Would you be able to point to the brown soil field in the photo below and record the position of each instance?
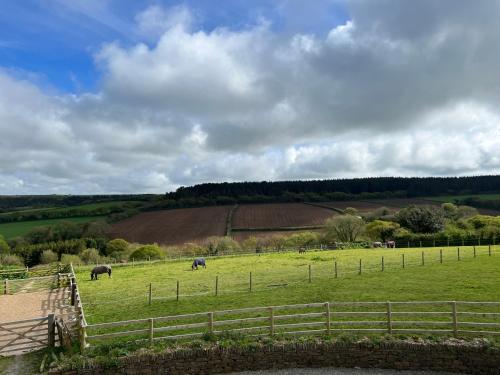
(361, 206)
(173, 227)
(274, 215)
(241, 236)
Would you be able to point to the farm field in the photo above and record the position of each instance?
(275, 215)
(361, 206)
(83, 208)
(282, 278)
(241, 236)
(169, 227)
(20, 228)
(452, 198)
(399, 203)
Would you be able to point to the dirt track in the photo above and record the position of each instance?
(32, 305)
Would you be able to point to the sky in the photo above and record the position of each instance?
(129, 96)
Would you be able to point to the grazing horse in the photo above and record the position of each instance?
(198, 262)
(97, 270)
(377, 244)
(390, 244)
(302, 249)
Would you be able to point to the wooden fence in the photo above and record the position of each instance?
(35, 284)
(76, 301)
(22, 336)
(424, 317)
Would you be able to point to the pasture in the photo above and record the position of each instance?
(283, 278)
(20, 228)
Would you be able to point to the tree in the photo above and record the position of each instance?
(450, 210)
(147, 252)
(381, 230)
(90, 256)
(421, 219)
(116, 246)
(345, 228)
(4, 246)
(351, 211)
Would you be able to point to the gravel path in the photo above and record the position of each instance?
(339, 371)
(31, 305)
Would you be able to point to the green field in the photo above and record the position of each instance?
(284, 279)
(452, 198)
(83, 207)
(10, 230)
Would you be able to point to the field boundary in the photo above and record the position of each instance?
(324, 318)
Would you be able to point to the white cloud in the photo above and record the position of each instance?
(375, 96)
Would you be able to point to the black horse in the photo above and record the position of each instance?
(198, 262)
(97, 270)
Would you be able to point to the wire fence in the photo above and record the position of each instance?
(143, 291)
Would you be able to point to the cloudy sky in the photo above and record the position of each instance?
(121, 96)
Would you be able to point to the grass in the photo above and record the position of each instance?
(10, 230)
(452, 198)
(283, 279)
(83, 207)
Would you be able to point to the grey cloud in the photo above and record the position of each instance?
(397, 90)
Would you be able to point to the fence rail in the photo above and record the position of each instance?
(35, 284)
(22, 336)
(416, 317)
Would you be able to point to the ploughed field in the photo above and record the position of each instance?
(283, 279)
(171, 227)
(275, 215)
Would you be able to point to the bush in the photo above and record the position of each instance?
(48, 256)
(90, 256)
(117, 245)
(71, 258)
(4, 246)
(147, 252)
(11, 260)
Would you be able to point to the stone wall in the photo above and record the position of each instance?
(402, 356)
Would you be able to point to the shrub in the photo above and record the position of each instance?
(90, 256)
(71, 258)
(4, 246)
(117, 245)
(48, 256)
(11, 260)
(147, 252)
(345, 228)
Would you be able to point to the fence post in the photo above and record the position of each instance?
(479, 241)
(423, 260)
(448, 241)
(458, 253)
(211, 322)
(389, 317)
(420, 243)
(336, 274)
(455, 320)
(83, 334)
(474, 251)
(271, 321)
(403, 260)
(382, 264)
(51, 325)
(177, 290)
(327, 305)
(217, 285)
(360, 266)
(151, 331)
(309, 273)
(73, 291)
(441, 256)
(58, 280)
(489, 250)
(250, 281)
(6, 286)
(150, 293)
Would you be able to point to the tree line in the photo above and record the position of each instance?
(342, 189)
